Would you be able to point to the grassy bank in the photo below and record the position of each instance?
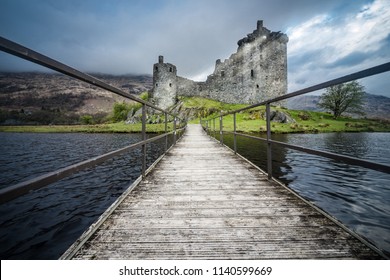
(250, 121)
(119, 127)
(316, 123)
(253, 120)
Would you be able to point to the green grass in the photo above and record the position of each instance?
(249, 121)
(317, 123)
(119, 127)
(253, 120)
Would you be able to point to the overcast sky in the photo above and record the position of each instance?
(328, 38)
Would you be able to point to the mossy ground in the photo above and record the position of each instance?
(119, 127)
(253, 120)
(249, 121)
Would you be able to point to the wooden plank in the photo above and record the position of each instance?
(250, 234)
(272, 249)
(203, 202)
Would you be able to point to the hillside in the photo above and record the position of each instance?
(43, 98)
(55, 98)
(375, 106)
(249, 121)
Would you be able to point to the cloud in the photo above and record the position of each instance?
(327, 38)
(327, 46)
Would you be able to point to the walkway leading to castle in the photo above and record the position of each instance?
(203, 202)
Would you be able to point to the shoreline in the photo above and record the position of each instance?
(242, 127)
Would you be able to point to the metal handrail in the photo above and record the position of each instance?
(12, 192)
(38, 58)
(347, 159)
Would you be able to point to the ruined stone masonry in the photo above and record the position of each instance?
(256, 72)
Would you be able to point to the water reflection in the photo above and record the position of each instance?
(256, 151)
(357, 196)
(44, 223)
(353, 144)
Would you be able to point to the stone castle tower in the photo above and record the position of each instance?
(256, 72)
(164, 90)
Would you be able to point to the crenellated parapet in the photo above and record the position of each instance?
(256, 72)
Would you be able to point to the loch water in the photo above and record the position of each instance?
(356, 196)
(45, 222)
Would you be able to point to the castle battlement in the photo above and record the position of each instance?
(256, 72)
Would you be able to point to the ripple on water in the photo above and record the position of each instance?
(44, 223)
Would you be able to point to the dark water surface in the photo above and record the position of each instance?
(44, 223)
(356, 196)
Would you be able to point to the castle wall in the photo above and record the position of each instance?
(256, 72)
(187, 87)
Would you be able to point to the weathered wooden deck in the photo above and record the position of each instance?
(203, 202)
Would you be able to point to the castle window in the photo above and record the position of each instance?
(156, 68)
(156, 85)
(170, 69)
(222, 73)
(252, 73)
(257, 86)
(170, 84)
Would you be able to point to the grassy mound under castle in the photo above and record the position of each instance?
(249, 121)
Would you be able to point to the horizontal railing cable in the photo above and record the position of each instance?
(9, 193)
(347, 159)
(347, 78)
(12, 192)
(33, 56)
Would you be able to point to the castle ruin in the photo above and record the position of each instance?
(256, 72)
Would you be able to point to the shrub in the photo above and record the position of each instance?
(144, 96)
(294, 126)
(86, 119)
(304, 116)
(121, 110)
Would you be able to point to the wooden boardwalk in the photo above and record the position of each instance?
(203, 202)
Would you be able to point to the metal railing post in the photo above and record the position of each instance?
(166, 130)
(214, 127)
(143, 139)
(234, 135)
(269, 147)
(174, 130)
(220, 129)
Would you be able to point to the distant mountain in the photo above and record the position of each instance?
(375, 106)
(55, 98)
(51, 98)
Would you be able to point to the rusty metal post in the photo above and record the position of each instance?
(269, 147)
(234, 135)
(143, 139)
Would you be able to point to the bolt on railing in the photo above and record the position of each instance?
(22, 188)
(347, 159)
